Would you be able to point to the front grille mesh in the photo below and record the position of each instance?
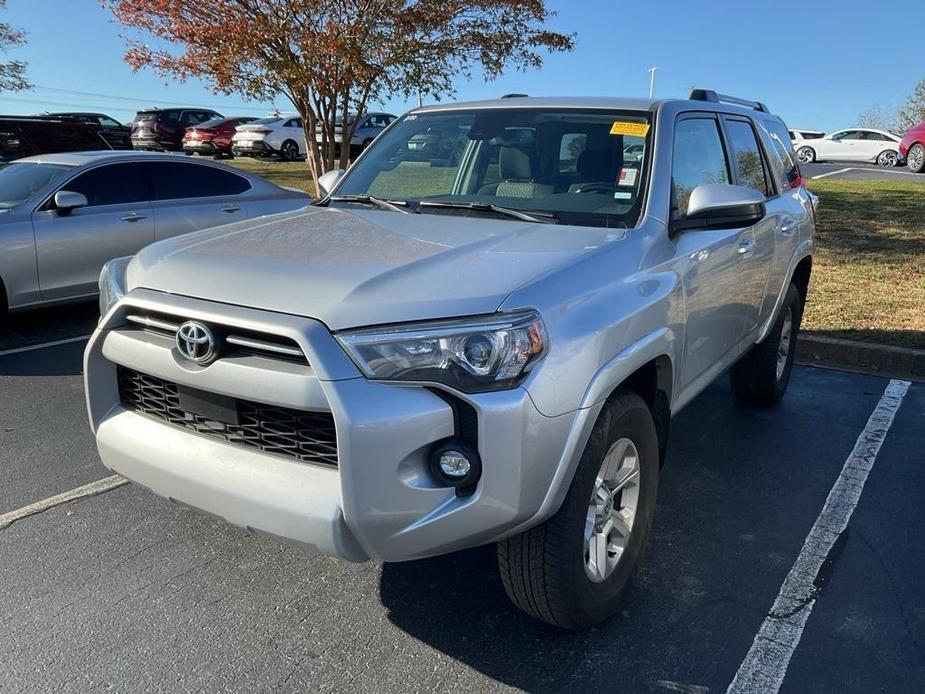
(306, 436)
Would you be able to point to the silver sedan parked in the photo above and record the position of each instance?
(63, 215)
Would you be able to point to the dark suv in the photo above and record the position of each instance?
(24, 136)
(163, 128)
(117, 135)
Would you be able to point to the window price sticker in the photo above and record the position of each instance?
(622, 127)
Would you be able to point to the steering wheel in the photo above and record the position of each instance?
(596, 187)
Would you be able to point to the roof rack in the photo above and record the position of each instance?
(514, 96)
(714, 97)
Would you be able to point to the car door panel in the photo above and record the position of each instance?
(707, 260)
(72, 248)
(175, 217)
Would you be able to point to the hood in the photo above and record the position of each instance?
(350, 268)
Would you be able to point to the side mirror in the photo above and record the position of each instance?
(328, 180)
(66, 201)
(718, 205)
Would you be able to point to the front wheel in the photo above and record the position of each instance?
(915, 158)
(762, 375)
(888, 159)
(806, 155)
(573, 570)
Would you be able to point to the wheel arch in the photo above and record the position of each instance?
(801, 274)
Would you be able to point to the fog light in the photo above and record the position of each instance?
(456, 464)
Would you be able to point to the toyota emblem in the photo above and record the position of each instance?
(196, 342)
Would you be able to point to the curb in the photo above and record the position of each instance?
(867, 357)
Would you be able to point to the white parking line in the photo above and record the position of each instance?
(43, 345)
(98, 487)
(831, 173)
(766, 662)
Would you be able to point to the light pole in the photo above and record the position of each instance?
(652, 81)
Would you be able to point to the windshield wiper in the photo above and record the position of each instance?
(540, 217)
(371, 200)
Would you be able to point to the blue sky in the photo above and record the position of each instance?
(816, 63)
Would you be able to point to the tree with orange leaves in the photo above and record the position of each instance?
(333, 57)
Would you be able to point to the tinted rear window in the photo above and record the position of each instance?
(177, 180)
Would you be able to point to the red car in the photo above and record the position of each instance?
(213, 136)
(912, 147)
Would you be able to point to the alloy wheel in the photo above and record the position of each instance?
(888, 159)
(806, 155)
(612, 510)
(916, 158)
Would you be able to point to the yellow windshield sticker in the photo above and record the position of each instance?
(622, 127)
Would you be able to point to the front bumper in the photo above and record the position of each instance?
(380, 501)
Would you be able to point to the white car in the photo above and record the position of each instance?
(281, 136)
(366, 131)
(853, 144)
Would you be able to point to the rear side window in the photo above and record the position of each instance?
(783, 164)
(174, 181)
(746, 156)
(115, 184)
(698, 158)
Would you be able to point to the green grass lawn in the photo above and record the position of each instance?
(868, 278)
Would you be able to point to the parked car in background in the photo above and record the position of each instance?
(24, 136)
(162, 129)
(213, 136)
(63, 215)
(274, 136)
(912, 148)
(483, 346)
(371, 124)
(853, 144)
(798, 136)
(118, 136)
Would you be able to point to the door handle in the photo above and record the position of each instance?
(132, 217)
(787, 226)
(230, 208)
(746, 248)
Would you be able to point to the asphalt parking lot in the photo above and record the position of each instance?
(857, 171)
(127, 592)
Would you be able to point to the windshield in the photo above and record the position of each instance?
(582, 167)
(19, 182)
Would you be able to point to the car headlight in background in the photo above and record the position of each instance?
(112, 283)
(471, 355)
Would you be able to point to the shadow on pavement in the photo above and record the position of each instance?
(47, 325)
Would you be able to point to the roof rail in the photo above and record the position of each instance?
(514, 96)
(714, 97)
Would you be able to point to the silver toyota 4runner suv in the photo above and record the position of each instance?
(480, 334)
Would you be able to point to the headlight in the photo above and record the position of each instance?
(471, 355)
(112, 283)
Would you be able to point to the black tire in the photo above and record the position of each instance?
(289, 151)
(755, 378)
(543, 569)
(915, 158)
(806, 155)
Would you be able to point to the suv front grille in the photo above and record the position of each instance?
(306, 436)
(229, 339)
